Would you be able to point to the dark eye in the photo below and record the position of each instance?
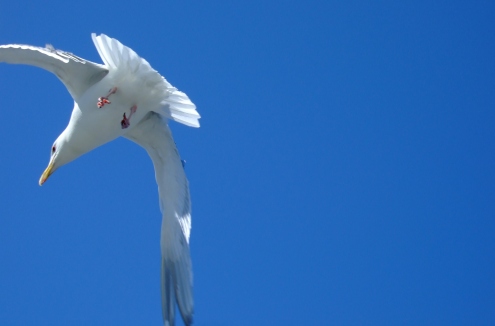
(53, 149)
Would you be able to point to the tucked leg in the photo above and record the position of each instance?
(126, 121)
(104, 99)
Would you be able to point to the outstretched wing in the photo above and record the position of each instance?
(154, 135)
(76, 73)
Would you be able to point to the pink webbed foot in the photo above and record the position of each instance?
(104, 99)
(126, 121)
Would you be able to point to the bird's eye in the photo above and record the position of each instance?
(53, 149)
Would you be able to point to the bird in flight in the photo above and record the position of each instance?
(126, 97)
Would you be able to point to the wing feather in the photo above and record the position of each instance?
(76, 73)
(154, 135)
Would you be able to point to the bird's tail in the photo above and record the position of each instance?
(178, 107)
(174, 104)
(176, 282)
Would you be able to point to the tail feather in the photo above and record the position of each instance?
(178, 107)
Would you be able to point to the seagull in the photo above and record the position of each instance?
(126, 97)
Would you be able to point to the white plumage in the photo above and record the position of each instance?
(134, 101)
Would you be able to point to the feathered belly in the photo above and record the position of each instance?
(114, 106)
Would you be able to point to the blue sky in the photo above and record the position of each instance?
(342, 175)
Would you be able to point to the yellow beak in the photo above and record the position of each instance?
(48, 172)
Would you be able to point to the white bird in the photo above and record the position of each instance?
(126, 97)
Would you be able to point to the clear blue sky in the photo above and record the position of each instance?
(343, 173)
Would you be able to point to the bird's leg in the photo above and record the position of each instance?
(104, 99)
(125, 123)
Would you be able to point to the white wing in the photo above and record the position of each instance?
(154, 135)
(77, 74)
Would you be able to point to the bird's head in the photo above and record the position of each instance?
(61, 153)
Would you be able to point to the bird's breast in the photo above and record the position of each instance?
(100, 114)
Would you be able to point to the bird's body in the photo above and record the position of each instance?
(126, 97)
(97, 126)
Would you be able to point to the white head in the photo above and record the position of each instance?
(62, 152)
